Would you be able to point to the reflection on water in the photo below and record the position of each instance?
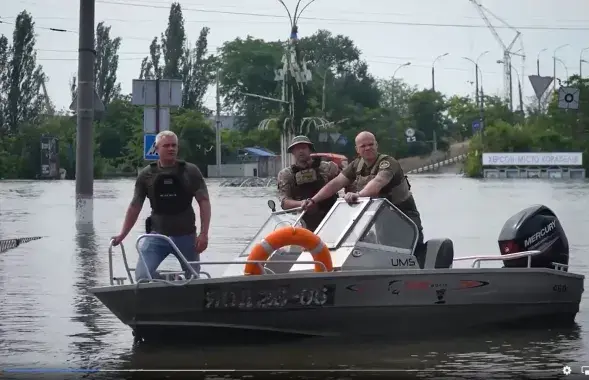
(87, 343)
(47, 318)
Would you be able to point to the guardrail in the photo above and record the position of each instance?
(174, 275)
(511, 256)
(439, 164)
(7, 244)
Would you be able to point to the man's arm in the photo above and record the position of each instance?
(135, 206)
(383, 177)
(340, 180)
(331, 188)
(201, 194)
(284, 182)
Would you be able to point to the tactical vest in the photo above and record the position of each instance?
(308, 182)
(169, 194)
(397, 191)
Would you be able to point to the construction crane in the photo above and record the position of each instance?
(507, 50)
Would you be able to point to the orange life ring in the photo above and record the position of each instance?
(289, 236)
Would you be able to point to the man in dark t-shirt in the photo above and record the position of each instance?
(170, 185)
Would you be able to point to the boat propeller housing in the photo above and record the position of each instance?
(535, 228)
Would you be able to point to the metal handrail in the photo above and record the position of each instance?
(188, 264)
(261, 262)
(508, 257)
(110, 268)
(179, 254)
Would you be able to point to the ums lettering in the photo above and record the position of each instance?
(407, 262)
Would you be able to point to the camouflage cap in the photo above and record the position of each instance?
(300, 140)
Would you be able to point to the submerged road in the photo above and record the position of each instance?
(48, 320)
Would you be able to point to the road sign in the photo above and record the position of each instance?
(98, 105)
(342, 140)
(149, 152)
(410, 132)
(568, 98)
(411, 139)
(144, 92)
(149, 120)
(540, 84)
(476, 126)
(334, 136)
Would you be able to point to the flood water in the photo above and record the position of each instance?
(48, 320)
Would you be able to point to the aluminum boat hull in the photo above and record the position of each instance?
(385, 303)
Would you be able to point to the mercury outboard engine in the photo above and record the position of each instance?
(535, 228)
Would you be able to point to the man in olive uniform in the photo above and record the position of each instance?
(170, 185)
(304, 179)
(373, 175)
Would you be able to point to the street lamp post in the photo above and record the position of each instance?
(393, 83)
(538, 61)
(479, 99)
(293, 76)
(554, 66)
(433, 70)
(566, 69)
(434, 134)
(519, 87)
(581, 60)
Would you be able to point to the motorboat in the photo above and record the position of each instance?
(360, 273)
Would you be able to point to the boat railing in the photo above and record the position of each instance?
(175, 275)
(476, 263)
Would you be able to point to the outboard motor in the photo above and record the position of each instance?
(535, 228)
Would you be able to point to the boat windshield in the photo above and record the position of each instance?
(339, 220)
(276, 220)
(390, 227)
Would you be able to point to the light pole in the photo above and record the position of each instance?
(519, 87)
(581, 60)
(393, 83)
(538, 61)
(554, 66)
(479, 100)
(293, 76)
(433, 70)
(566, 69)
(434, 134)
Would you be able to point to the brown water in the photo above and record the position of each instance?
(48, 320)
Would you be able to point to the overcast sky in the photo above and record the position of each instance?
(389, 33)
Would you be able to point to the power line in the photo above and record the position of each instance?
(368, 61)
(323, 19)
(341, 20)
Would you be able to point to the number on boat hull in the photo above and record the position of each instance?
(283, 297)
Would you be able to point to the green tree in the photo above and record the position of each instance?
(106, 64)
(173, 43)
(197, 72)
(4, 87)
(247, 66)
(24, 101)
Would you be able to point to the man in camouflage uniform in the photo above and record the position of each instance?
(373, 175)
(304, 179)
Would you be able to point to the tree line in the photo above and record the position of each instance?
(342, 97)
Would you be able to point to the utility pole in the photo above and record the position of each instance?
(218, 127)
(85, 115)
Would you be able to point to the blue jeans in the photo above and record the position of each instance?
(155, 251)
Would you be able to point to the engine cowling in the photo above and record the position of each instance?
(535, 228)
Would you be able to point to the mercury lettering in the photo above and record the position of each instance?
(540, 234)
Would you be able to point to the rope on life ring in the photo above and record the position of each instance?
(283, 237)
